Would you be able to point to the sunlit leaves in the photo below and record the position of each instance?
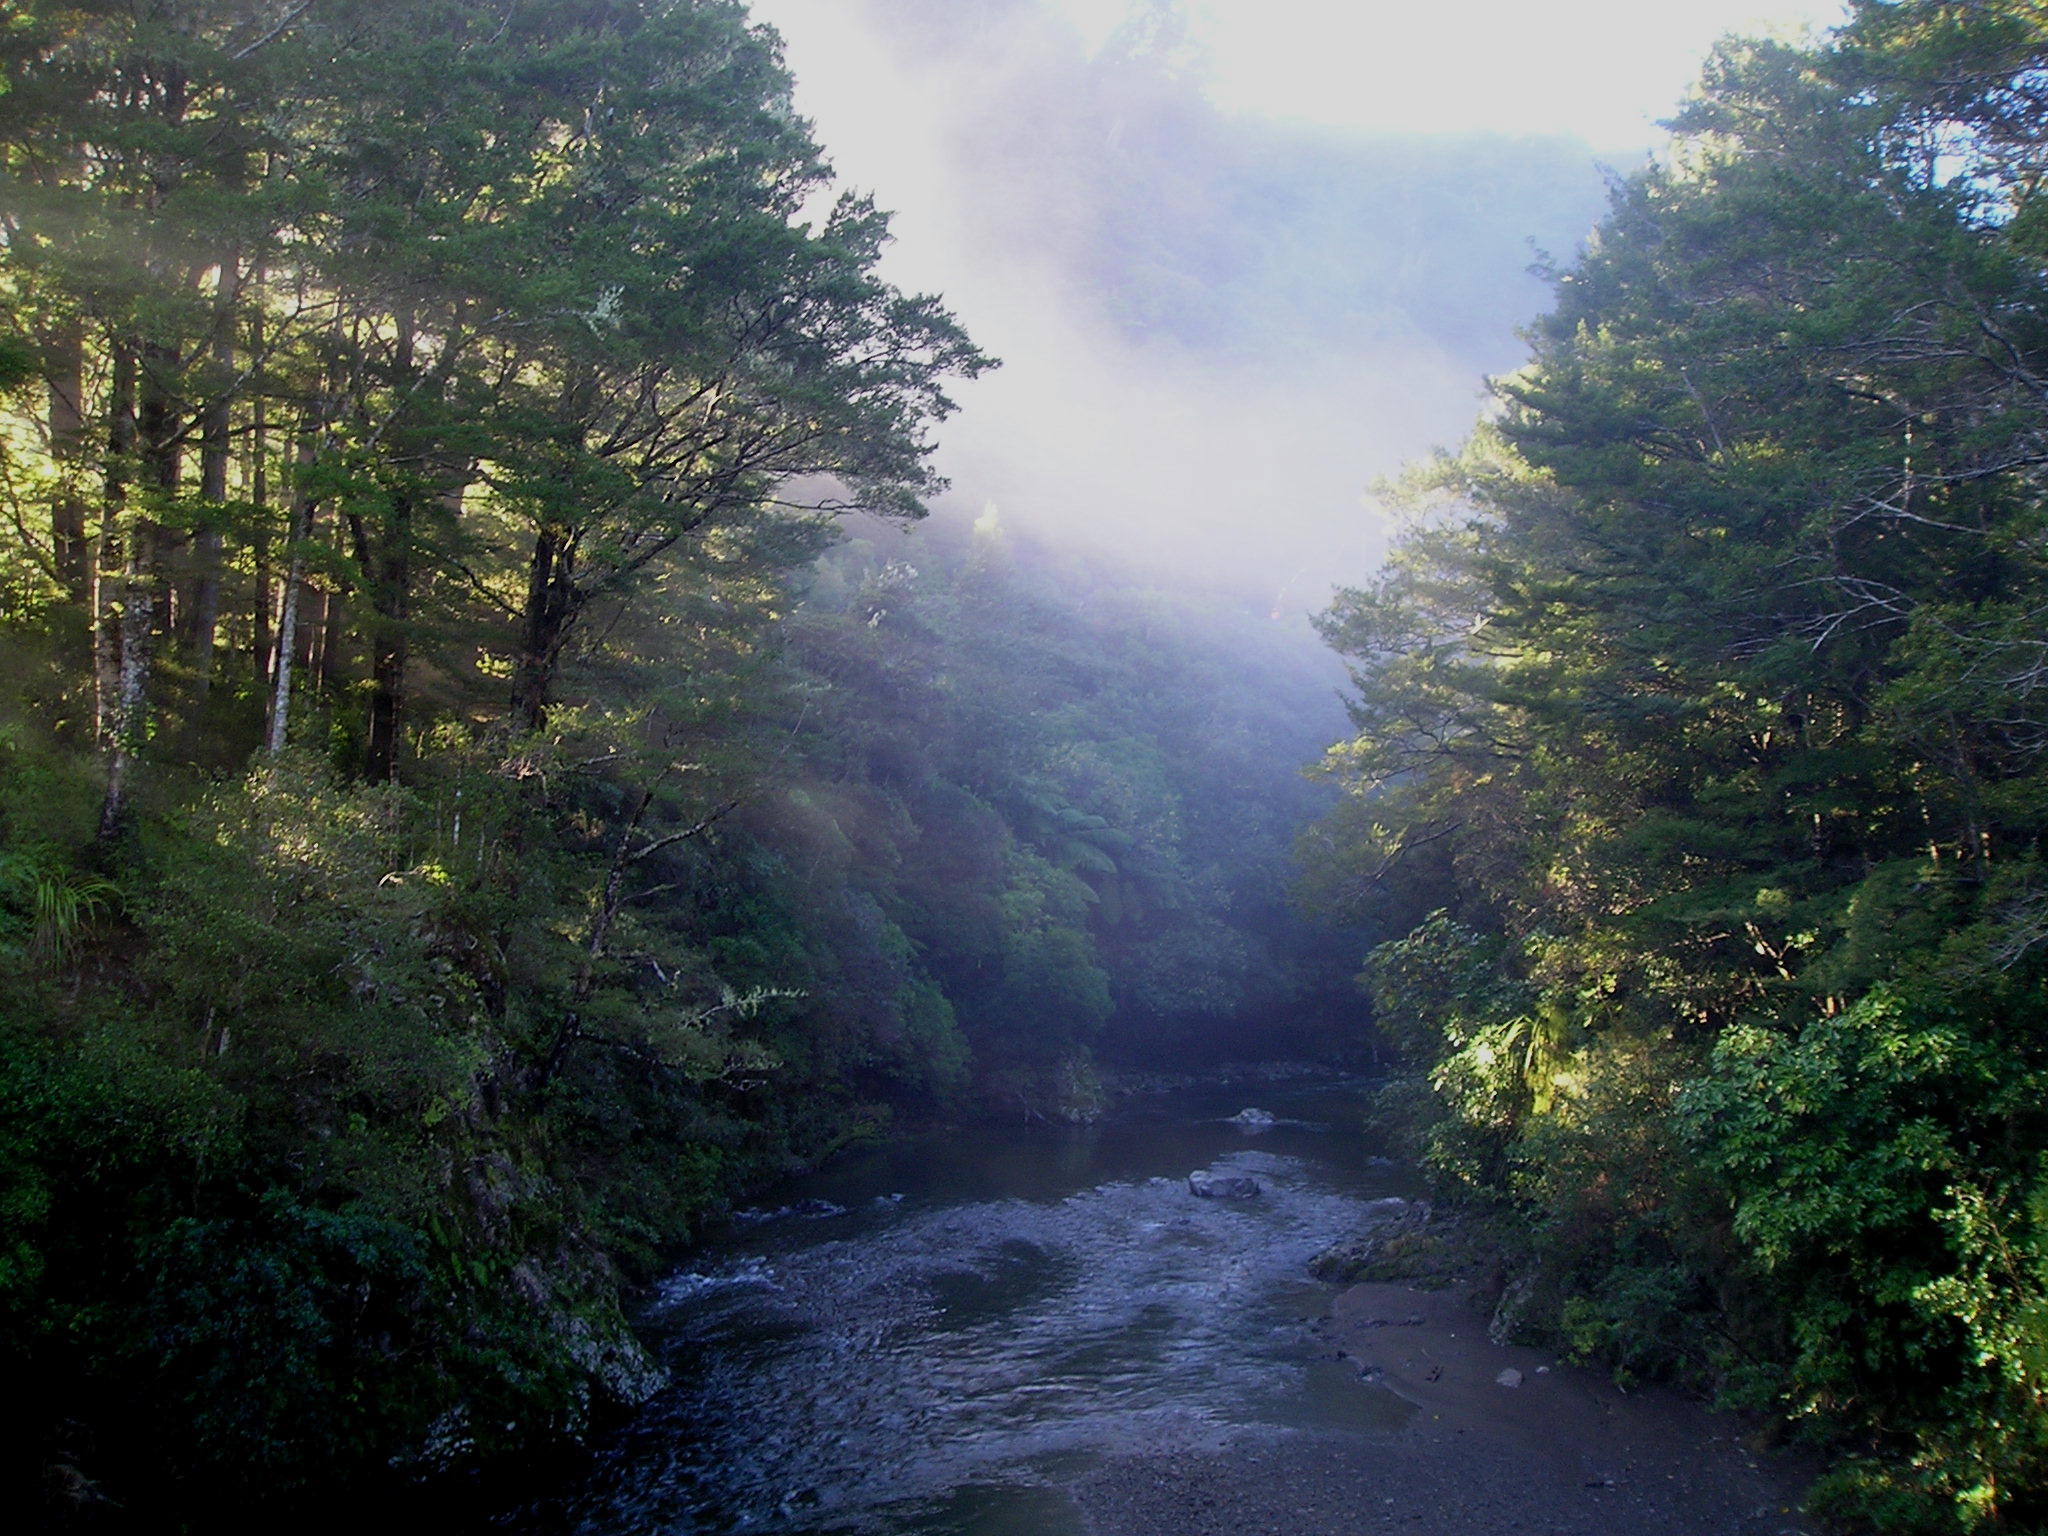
(1719, 699)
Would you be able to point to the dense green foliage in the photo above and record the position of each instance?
(1700, 743)
(463, 813)
(1073, 796)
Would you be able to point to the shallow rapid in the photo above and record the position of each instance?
(941, 1335)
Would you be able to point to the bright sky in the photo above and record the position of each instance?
(1606, 70)
(1092, 436)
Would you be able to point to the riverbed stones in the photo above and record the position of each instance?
(1512, 1312)
(1222, 1186)
(1385, 1225)
(1509, 1378)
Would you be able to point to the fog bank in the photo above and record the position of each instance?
(1217, 328)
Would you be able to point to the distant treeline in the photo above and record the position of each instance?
(1702, 746)
(464, 812)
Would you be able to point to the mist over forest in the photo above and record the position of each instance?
(607, 604)
(1217, 329)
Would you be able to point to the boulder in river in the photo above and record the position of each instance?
(1222, 1186)
(1254, 1119)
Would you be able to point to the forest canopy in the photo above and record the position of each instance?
(468, 808)
(1699, 747)
(485, 780)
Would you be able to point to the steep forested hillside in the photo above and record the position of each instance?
(1700, 731)
(464, 811)
(1073, 794)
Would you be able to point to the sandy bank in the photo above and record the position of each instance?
(1564, 1452)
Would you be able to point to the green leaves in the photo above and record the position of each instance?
(65, 906)
(1865, 1163)
(1705, 691)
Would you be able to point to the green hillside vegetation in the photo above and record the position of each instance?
(1700, 727)
(466, 812)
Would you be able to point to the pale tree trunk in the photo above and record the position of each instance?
(129, 726)
(155, 438)
(213, 475)
(297, 534)
(258, 481)
(259, 551)
(109, 556)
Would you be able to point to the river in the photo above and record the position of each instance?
(939, 1335)
(1040, 1331)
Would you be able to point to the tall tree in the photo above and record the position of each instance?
(1715, 677)
(130, 137)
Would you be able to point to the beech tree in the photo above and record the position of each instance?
(479, 319)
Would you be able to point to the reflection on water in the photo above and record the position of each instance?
(934, 1337)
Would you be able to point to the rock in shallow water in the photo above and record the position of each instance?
(1353, 1258)
(1254, 1119)
(1222, 1186)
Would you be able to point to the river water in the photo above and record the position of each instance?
(939, 1336)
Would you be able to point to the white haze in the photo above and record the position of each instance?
(1600, 70)
(1223, 310)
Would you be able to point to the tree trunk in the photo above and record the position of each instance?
(552, 603)
(287, 632)
(386, 566)
(116, 532)
(259, 540)
(161, 456)
(214, 428)
(299, 531)
(72, 551)
(123, 607)
(388, 656)
(129, 726)
(333, 607)
(389, 581)
(68, 448)
(310, 649)
(152, 433)
(112, 540)
(213, 488)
